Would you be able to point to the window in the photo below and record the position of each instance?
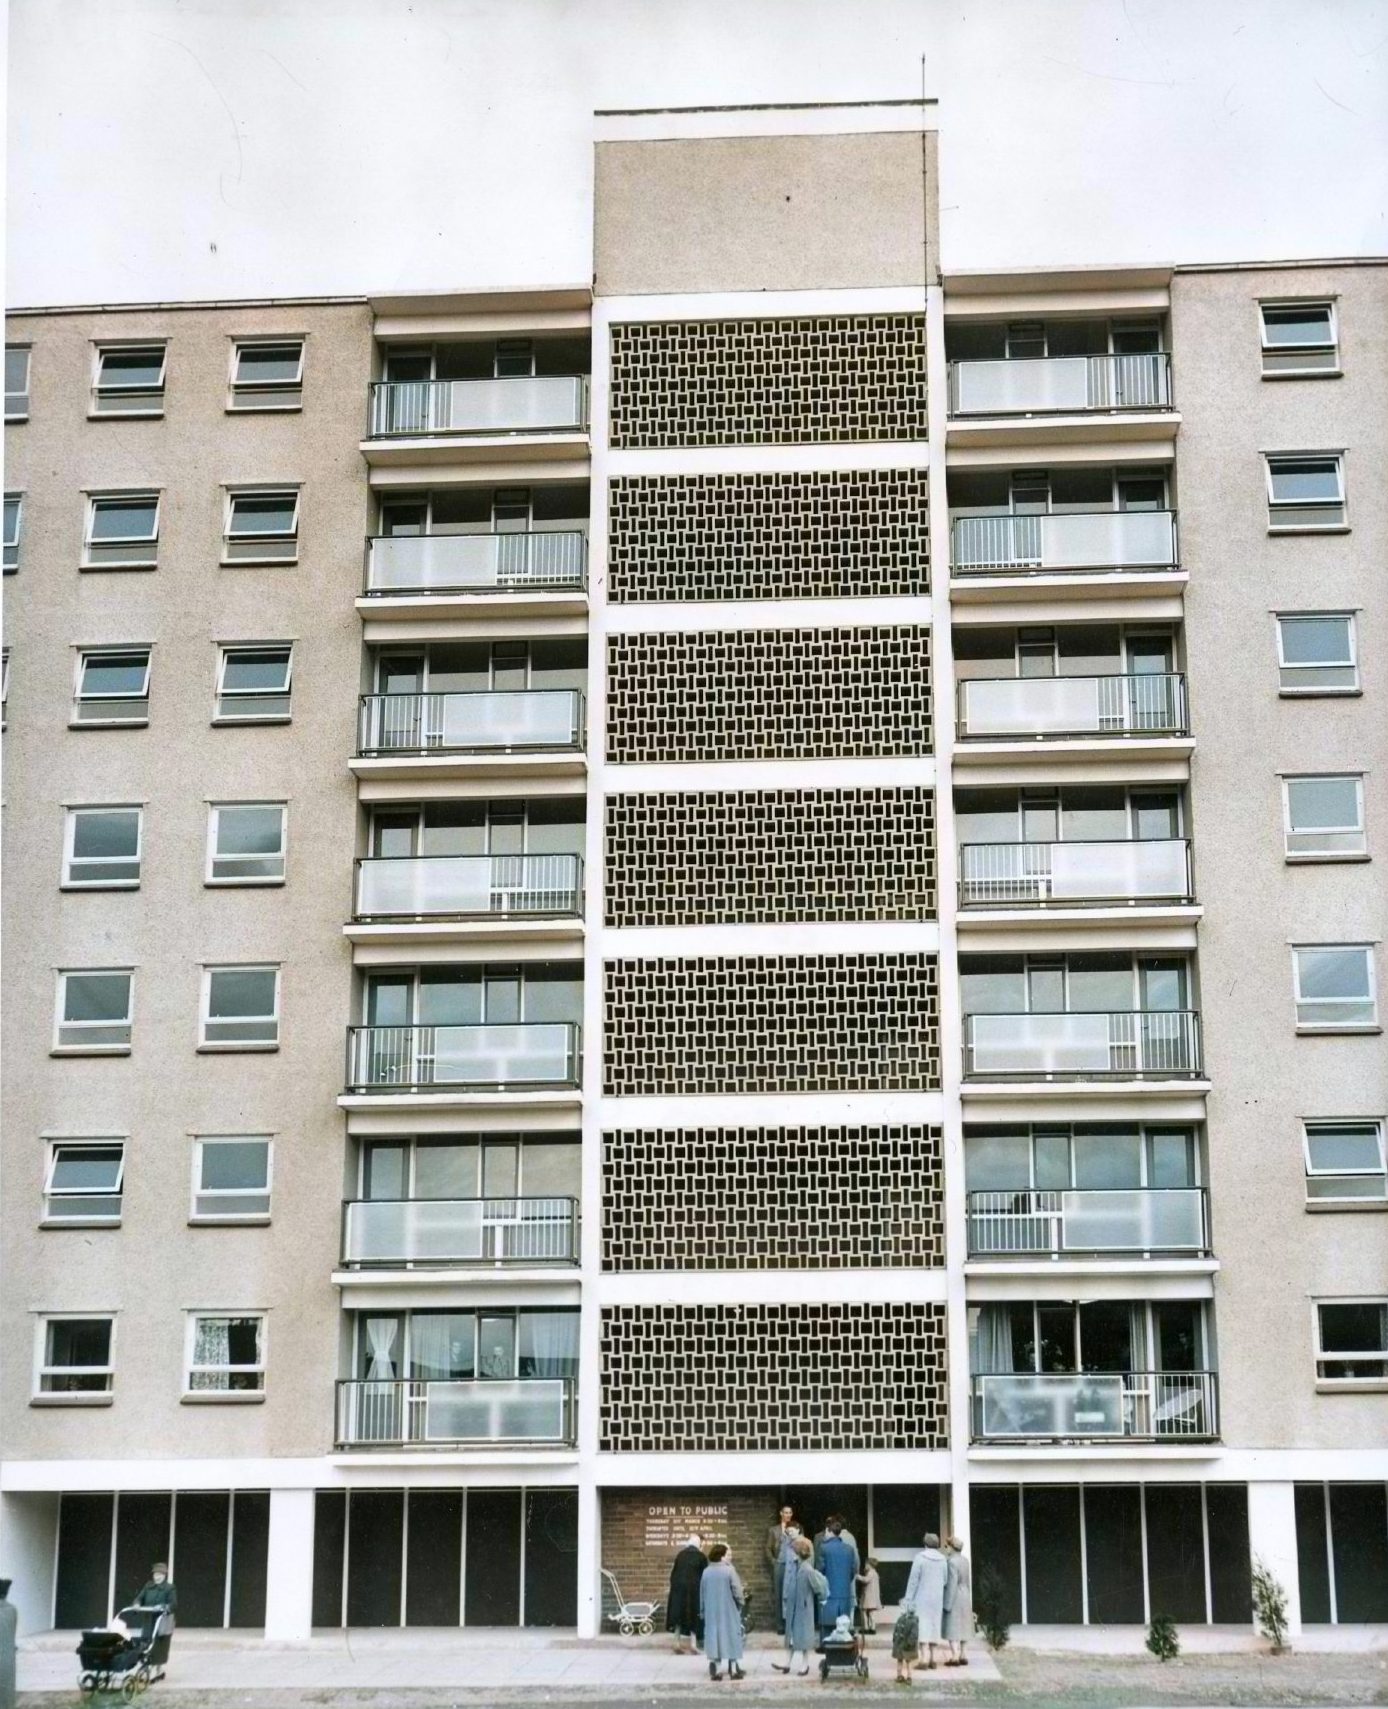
(75, 1356)
(262, 527)
(129, 379)
(226, 1355)
(94, 1009)
(1334, 986)
(240, 1008)
(1352, 1341)
(231, 1180)
(84, 1181)
(514, 358)
(122, 532)
(253, 684)
(14, 513)
(1316, 652)
(1324, 817)
(4, 683)
(267, 374)
(1299, 338)
(1306, 492)
(101, 848)
(245, 842)
(1344, 1160)
(112, 687)
(16, 382)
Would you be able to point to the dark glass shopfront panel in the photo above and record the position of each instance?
(375, 1540)
(200, 1542)
(551, 1557)
(1231, 1565)
(329, 1552)
(1359, 1537)
(1176, 1552)
(491, 1591)
(84, 1561)
(1312, 1556)
(250, 1555)
(1113, 1553)
(1051, 1516)
(997, 1544)
(434, 1557)
(902, 1514)
(142, 1538)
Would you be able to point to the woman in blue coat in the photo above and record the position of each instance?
(798, 1607)
(720, 1610)
(838, 1561)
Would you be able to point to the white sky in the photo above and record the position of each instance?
(164, 149)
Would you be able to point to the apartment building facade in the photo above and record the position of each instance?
(800, 924)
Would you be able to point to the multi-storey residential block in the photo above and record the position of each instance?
(797, 926)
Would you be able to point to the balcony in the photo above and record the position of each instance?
(1135, 544)
(1061, 385)
(440, 567)
(404, 737)
(406, 1233)
(1074, 874)
(483, 1056)
(468, 887)
(1088, 1222)
(522, 1412)
(1042, 707)
(434, 421)
(1159, 1044)
(1151, 1406)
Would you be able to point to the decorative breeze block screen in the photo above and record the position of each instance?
(834, 535)
(755, 694)
(829, 379)
(773, 1378)
(773, 1199)
(699, 858)
(792, 1023)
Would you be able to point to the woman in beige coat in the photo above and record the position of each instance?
(959, 1602)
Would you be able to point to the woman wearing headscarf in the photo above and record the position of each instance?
(720, 1607)
(682, 1603)
(925, 1592)
(959, 1602)
(798, 1597)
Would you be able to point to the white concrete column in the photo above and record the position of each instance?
(1272, 1540)
(589, 1559)
(29, 1555)
(289, 1567)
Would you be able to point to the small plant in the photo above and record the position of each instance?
(990, 1608)
(1270, 1606)
(1163, 1639)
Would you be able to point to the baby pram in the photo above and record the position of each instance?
(628, 1617)
(112, 1662)
(842, 1646)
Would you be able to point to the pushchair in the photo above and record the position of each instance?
(112, 1662)
(843, 1646)
(629, 1617)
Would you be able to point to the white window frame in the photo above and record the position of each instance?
(278, 548)
(1289, 831)
(210, 969)
(201, 1142)
(14, 409)
(73, 1142)
(70, 880)
(4, 683)
(245, 397)
(79, 699)
(1335, 1026)
(1339, 1384)
(150, 396)
(1272, 348)
(228, 650)
(92, 548)
(227, 1395)
(1337, 523)
(77, 1048)
(215, 809)
(39, 1396)
(11, 542)
(1312, 688)
(1368, 1201)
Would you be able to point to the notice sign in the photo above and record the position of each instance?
(670, 1525)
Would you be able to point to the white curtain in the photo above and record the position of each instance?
(211, 1346)
(553, 1338)
(431, 1358)
(993, 1351)
(380, 1341)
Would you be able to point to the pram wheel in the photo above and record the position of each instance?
(87, 1685)
(130, 1687)
(625, 1627)
(646, 1628)
(861, 1667)
(824, 1669)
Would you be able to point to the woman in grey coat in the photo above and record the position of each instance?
(798, 1606)
(720, 1609)
(959, 1602)
(925, 1592)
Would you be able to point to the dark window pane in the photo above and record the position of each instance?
(84, 1560)
(376, 1522)
(267, 513)
(142, 1538)
(329, 1553)
(1176, 1552)
(491, 1595)
(1313, 1561)
(132, 368)
(1357, 1328)
(902, 1514)
(1052, 1527)
(115, 673)
(551, 1557)
(433, 1578)
(1113, 1553)
(201, 1536)
(250, 1547)
(997, 1542)
(78, 1170)
(124, 519)
(1231, 1569)
(266, 363)
(250, 673)
(1359, 1538)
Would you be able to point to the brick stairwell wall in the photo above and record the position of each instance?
(642, 1529)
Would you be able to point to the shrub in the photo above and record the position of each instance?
(1162, 1638)
(990, 1608)
(1270, 1606)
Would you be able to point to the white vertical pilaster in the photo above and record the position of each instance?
(1272, 1540)
(29, 1555)
(289, 1567)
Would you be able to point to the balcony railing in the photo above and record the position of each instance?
(1131, 1043)
(395, 1413)
(1064, 1223)
(1056, 1406)
(483, 1056)
(402, 1232)
(525, 404)
(1052, 544)
(443, 564)
(468, 887)
(486, 721)
(1060, 385)
(1083, 874)
(1137, 704)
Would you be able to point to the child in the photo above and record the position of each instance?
(906, 1635)
(869, 1596)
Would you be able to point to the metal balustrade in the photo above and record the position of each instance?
(1096, 1405)
(520, 404)
(483, 721)
(1136, 704)
(1069, 541)
(442, 564)
(1131, 1043)
(481, 1055)
(407, 1232)
(1069, 874)
(498, 1412)
(467, 887)
(1064, 1222)
(1060, 385)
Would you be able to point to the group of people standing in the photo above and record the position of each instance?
(705, 1604)
(937, 1609)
